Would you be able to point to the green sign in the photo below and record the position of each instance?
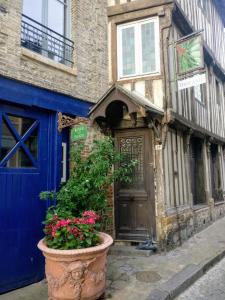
(79, 133)
(190, 54)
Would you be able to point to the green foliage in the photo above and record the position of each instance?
(90, 179)
(47, 195)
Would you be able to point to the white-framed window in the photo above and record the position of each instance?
(138, 49)
(54, 14)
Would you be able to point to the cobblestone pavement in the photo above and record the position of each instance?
(209, 287)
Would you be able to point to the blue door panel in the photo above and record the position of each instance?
(21, 210)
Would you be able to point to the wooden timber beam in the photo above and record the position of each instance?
(184, 124)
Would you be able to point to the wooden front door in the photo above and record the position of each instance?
(134, 202)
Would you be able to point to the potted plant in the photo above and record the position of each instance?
(74, 248)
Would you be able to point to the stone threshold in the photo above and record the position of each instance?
(128, 250)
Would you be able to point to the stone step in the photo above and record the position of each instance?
(123, 250)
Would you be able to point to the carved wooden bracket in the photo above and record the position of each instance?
(208, 145)
(153, 124)
(187, 139)
(65, 121)
(133, 117)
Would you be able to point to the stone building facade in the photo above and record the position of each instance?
(88, 77)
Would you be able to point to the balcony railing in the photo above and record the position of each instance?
(45, 41)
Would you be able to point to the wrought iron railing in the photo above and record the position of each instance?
(43, 40)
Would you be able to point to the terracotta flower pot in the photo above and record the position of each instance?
(76, 274)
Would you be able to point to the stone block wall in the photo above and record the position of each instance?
(87, 80)
(219, 210)
(202, 218)
(177, 228)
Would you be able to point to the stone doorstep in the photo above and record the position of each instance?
(123, 250)
(184, 279)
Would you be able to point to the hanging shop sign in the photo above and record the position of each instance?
(189, 52)
(79, 132)
(195, 80)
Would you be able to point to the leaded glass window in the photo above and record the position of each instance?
(138, 50)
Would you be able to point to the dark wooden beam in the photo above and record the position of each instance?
(183, 124)
(181, 21)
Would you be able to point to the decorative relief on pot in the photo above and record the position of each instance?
(97, 277)
(73, 275)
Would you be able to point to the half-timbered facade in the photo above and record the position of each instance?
(179, 182)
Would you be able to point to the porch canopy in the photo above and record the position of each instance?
(120, 103)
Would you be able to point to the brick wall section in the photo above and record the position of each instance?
(89, 33)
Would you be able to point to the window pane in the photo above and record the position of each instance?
(148, 47)
(132, 148)
(56, 12)
(198, 92)
(21, 124)
(32, 143)
(19, 160)
(7, 142)
(128, 51)
(33, 9)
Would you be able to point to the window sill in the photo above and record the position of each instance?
(47, 61)
(181, 209)
(198, 207)
(138, 77)
(219, 203)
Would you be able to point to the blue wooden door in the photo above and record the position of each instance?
(25, 149)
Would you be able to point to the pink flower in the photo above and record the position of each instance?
(90, 221)
(53, 233)
(62, 223)
(90, 214)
